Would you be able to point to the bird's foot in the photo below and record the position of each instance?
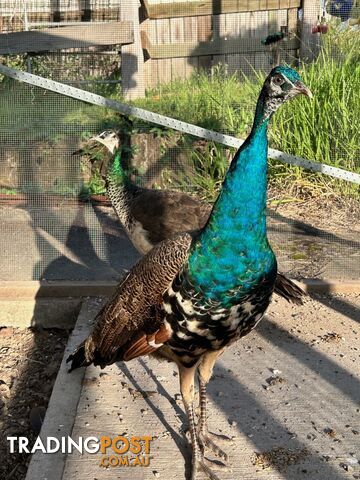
(204, 465)
(208, 439)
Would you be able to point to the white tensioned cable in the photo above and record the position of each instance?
(125, 109)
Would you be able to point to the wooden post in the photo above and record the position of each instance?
(310, 42)
(132, 59)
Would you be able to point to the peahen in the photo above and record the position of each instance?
(150, 216)
(193, 295)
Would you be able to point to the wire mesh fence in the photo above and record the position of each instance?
(50, 226)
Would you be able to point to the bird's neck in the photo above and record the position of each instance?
(116, 173)
(233, 249)
(120, 190)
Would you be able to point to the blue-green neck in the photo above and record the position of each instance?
(232, 249)
(116, 172)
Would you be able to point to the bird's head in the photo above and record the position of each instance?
(93, 150)
(109, 138)
(281, 84)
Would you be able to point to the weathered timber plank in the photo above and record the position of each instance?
(51, 39)
(190, 35)
(163, 31)
(244, 24)
(310, 43)
(211, 7)
(254, 5)
(204, 28)
(163, 37)
(218, 46)
(292, 19)
(190, 29)
(232, 30)
(150, 66)
(177, 36)
(132, 59)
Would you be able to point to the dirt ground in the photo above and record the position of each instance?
(29, 361)
(317, 238)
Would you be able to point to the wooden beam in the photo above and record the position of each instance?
(216, 47)
(213, 7)
(310, 42)
(52, 39)
(132, 56)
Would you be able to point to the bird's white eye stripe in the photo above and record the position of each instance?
(291, 83)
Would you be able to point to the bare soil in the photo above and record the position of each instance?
(29, 361)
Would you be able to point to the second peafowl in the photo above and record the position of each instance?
(193, 295)
(149, 215)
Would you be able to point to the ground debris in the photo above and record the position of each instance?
(274, 380)
(329, 337)
(279, 457)
(138, 393)
(330, 432)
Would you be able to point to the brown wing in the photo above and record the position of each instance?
(287, 289)
(164, 214)
(130, 324)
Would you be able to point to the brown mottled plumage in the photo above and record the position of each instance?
(134, 311)
(165, 213)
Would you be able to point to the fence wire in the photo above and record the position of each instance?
(51, 227)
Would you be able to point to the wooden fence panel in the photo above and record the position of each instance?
(163, 37)
(205, 34)
(219, 31)
(82, 36)
(190, 30)
(185, 22)
(177, 36)
(191, 35)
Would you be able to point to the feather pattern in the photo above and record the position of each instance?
(134, 315)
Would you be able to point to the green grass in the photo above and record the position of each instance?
(8, 191)
(326, 129)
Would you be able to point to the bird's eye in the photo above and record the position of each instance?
(278, 80)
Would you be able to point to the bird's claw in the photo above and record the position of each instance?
(207, 440)
(203, 466)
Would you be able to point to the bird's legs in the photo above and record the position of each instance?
(206, 438)
(198, 463)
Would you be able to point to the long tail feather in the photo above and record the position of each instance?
(287, 289)
(78, 358)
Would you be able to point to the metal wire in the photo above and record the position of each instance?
(48, 231)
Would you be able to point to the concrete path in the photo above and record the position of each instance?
(288, 395)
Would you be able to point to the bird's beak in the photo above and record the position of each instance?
(78, 152)
(85, 146)
(107, 144)
(301, 88)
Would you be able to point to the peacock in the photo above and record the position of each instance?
(150, 216)
(193, 295)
